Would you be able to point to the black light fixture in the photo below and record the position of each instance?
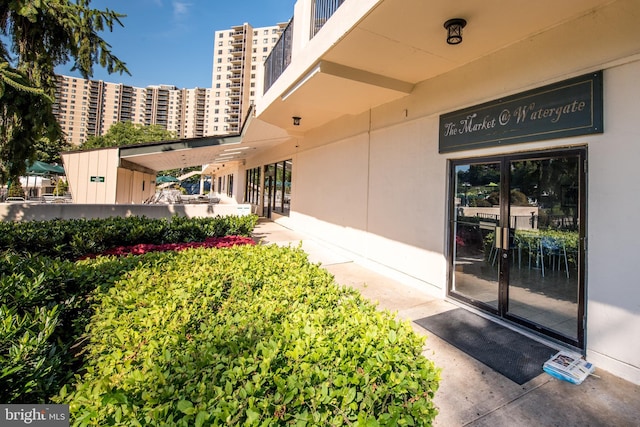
(296, 120)
(454, 30)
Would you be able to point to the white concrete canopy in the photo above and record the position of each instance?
(373, 52)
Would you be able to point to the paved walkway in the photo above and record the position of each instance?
(470, 393)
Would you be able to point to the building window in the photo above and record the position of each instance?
(252, 189)
(277, 187)
(230, 185)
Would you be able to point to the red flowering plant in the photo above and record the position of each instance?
(209, 242)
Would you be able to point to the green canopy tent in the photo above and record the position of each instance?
(41, 168)
(163, 179)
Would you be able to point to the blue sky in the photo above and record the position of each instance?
(171, 41)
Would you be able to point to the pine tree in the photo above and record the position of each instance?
(40, 35)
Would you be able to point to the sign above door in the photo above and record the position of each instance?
(568, 108)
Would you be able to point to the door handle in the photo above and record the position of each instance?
(502, 237)
(505, 238)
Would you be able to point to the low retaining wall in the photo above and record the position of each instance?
(44, 211)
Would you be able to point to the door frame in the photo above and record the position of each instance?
(503, 281)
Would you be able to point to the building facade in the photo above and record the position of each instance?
(449, 166)
(496, 172)
(90, 107)
(238, 73)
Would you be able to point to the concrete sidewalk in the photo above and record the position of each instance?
(470, 393)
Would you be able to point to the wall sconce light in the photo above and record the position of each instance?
(296, 120)
(454, 30)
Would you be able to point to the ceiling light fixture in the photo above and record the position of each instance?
(296, 120)
(454, 30)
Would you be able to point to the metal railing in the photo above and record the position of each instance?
(279, 58)
(321, 11)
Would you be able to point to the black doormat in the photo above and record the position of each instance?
(514, 355)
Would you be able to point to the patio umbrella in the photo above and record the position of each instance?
(163, 179)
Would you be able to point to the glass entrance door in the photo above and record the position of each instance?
(517, 240)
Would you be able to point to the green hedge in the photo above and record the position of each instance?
(45, 305)
(252, 335)
(71, 239)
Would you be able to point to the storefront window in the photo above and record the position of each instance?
(252, 189)
(277, 185)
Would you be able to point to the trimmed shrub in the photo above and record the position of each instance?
(249, 335)
(72, 239)
(45, 306)
(15, 189)
(46, 303)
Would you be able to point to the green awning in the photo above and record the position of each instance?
(41, 168)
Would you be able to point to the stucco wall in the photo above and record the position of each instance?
(42, 211)
(134, 186)
(80, 167)
(613, 310)
(376, 185)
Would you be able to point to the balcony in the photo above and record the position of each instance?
(321, 11)
(343, 58)
(279, 58)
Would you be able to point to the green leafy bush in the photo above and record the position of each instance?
(71, 239)
(251, 335)
(46, 303)
(45, 306)
(15, 189)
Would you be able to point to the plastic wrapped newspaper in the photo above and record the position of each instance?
(569, 367)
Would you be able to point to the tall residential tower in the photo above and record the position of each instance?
(89, 108)
(238, 72)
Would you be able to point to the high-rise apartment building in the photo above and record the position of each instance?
(89, 108)
(238, 72)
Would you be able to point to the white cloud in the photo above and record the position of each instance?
(180, 9)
